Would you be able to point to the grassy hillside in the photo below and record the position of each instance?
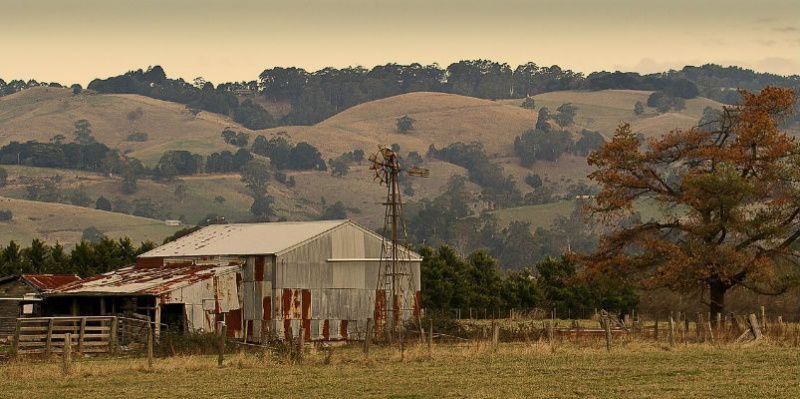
(543, 215)
(43, 112)
(440, 119)
(65, 223)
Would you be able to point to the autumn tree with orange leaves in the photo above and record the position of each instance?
(730, 199)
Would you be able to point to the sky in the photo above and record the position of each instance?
(70, 41)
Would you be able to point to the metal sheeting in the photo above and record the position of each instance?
(244, 239)
(204, 299)
(49, 281)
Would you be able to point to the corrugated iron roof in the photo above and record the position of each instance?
(134, 280)
(244, 239)
(49, 281)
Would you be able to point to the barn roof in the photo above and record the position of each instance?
(49, 281)
(133, 280)
(247, 238)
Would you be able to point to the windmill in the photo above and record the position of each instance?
(394, 273)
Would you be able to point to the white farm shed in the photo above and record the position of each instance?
(324, 276)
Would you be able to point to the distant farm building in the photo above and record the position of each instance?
(18, 296)
(261, 278)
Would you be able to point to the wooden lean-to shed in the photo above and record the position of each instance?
(19, 296)
(327, 277)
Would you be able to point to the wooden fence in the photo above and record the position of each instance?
(89, 334)
(46, 335)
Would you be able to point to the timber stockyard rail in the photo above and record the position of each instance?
(88, 334)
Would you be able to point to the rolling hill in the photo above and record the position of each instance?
(440, 119)
(65, 223)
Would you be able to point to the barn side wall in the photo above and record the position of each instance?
(329, 286)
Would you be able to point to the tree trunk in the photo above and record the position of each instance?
(717, 297)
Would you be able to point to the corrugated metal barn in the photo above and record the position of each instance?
(326, 277)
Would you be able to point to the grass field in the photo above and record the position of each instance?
(543, 215)
(510, 371)
(65, 223)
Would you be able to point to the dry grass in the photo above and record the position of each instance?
(65, 223)
(441, 119)
(474, 370)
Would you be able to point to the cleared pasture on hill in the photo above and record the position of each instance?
(455, 371)
(543, 215)
(62, 223)
(42, 112)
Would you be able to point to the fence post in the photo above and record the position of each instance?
(655, 328)
(113, 339)
(430, 339)
(495, 333)
(671, 330)
(66, 355)
(221, 344)
(81, 335)
(710, 332)
(764, 327)
(15, 344)
(754, 329)
(149, 347)
(49, 344)
(606, 322)
(367, 338)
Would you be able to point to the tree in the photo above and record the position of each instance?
(102, 204)
(6, 215)
(180, 192)
(336, 211)
(738, 192)
(533, 180)
(92, 234)
(76, 89)
(566, 114)
(638, 108)
(255, 175)
(405, 124)
(338, 166)
(541, 120)
(528, 103)
(3, 177)
(262, 208)
(358, 156)
(83, 132)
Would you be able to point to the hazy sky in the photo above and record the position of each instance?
(74, 41)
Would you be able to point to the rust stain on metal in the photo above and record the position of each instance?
(380, 310)
(149, 262)
(343, 329)
(287, 329)
(233, 320)
(287, 303)
(396, 315)
(49, 281)
(259, 268)
(307, 329)
(306, 310)
(267, 308)
(326, 330)
(147, 280)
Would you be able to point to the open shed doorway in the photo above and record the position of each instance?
(174, 316)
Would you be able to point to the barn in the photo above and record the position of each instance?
(16, 290)
(325, 278)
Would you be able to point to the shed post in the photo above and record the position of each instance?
(157, 318)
